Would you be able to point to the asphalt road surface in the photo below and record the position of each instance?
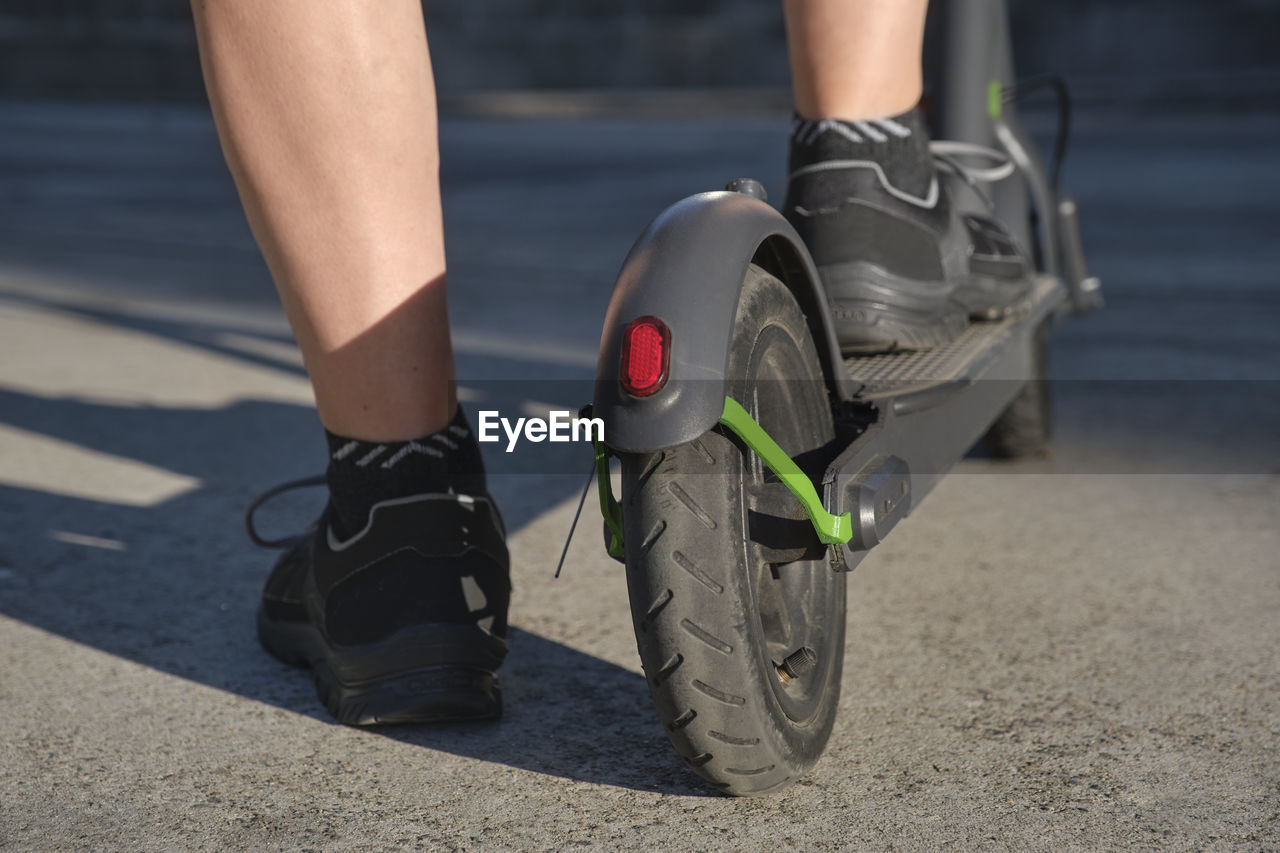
(1074, 652)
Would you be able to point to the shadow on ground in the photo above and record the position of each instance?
(174, 585)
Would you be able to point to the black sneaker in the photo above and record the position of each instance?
(997, 278)
(903, 268)
(403, 622)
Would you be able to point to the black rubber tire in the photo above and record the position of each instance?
(714, 619)
(1025, 428)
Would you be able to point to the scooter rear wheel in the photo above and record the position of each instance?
(738, 617)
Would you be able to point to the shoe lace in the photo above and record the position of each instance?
(286, 541)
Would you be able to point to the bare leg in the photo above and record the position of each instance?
(327, 117)
(855, 59)
(863, 192)
(326, 110)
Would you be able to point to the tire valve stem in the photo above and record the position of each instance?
(798, 663)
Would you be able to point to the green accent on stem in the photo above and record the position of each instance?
(831, 529)
(995, 99)
(608, 503)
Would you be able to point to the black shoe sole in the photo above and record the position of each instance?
(867, 328)
(400, 691)
(875, 311)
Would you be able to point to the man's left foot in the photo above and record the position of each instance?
(404, 621)
(397, 599)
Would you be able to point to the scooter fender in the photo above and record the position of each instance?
(687, 269)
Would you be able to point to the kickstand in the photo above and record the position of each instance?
(586, 488)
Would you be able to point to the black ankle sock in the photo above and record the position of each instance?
(899, 144)
(364, 473)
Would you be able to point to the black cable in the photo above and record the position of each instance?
(591, 475)
(1059, 86)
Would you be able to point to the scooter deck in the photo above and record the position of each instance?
(918, 413)
(892, 374)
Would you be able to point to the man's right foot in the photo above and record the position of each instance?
(903, 269)
(404, 621)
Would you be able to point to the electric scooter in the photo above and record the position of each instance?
(760, 465)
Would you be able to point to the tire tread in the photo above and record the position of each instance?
(691, 627)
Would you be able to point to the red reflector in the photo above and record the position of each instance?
(646, 354)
